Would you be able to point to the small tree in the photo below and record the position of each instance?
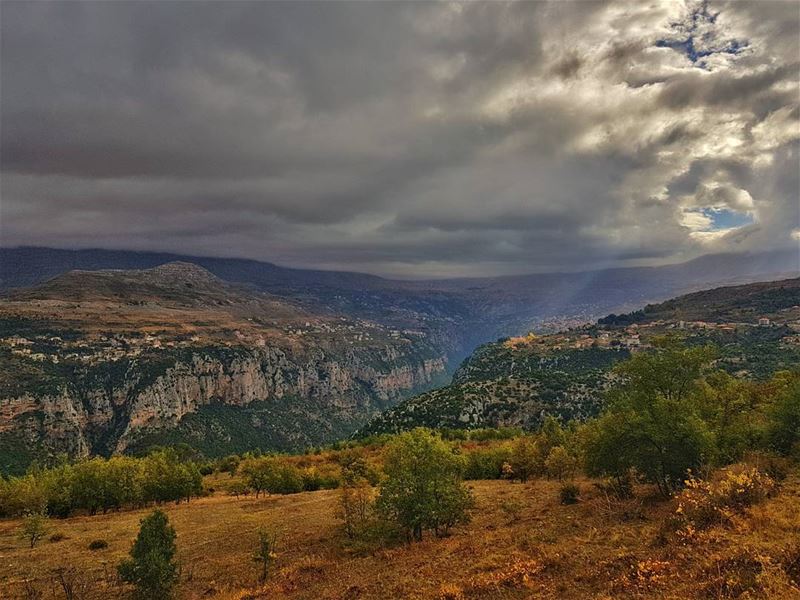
(784, 426)
(423, 487)
(526, 459)
(34, 526)
(560, 464)
(653, 422)
(356, 496)
(151, 567)
(265, 551)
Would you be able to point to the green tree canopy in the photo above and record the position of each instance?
(152, 568)
(653, 421)
(423, 489)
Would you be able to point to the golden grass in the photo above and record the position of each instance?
(541, 550)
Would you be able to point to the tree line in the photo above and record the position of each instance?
(101, 485)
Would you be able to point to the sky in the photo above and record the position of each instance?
(405, 139)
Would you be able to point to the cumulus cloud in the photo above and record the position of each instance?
(403, 138)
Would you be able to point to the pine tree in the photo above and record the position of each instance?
(151, 567)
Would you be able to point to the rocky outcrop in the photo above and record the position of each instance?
(104, 411)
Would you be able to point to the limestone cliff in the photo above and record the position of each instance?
(107, 408)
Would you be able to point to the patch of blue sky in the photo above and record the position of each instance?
(696, 41)
(724, 218)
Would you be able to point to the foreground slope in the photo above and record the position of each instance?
(517, 381)
(521, 544)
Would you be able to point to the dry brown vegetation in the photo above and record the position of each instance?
(597, 548)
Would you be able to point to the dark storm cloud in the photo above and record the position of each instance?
(399, 138)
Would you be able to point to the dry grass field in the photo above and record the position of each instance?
(521, 544)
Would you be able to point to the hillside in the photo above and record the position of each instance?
(518, 381)
(521, 544)
(95, 362)
(737, 304)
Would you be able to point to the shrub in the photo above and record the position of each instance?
(526, 459)
(22, 494)
(75, 582)
(151, 568)
(314, 479)
(264, 554)
(517, 574)
(512, 509)
(228, 464)
(57, 537)
(354, 464)
(101, 484)
(620, 488)
(272, 475)
(165, 478)
(784, 427)
(98, 545)
(733, 576)
(569, 493)
(790, 562)
(357, 497)
(423, 488)
(356, 503)
(451, 591)
(705, 503)
(238, 488)
(560, 464)
(486, 463)
(776, 466)
(34, 526)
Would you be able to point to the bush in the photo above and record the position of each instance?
(735, 576)
(98, 545)
(314, 479)
(267, 541)
(512, 509)
(560, 464)
(354, 464)
(790, 562)
(703, 504)
(151, 568)
(101, 484)
(620, 488)
(272, 475)
(57, 537)
(228, 464)
(526, 459)
(423, 488)
(776, 466)
(357, 497)
(238, 488)
(22, 494)
(569, 493)
(165, 478)
(784, 427)
(34, 527)
(486, 463)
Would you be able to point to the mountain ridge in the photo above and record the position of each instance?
(517, 381)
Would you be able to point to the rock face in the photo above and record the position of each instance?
(107, 411)
(97, 362)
